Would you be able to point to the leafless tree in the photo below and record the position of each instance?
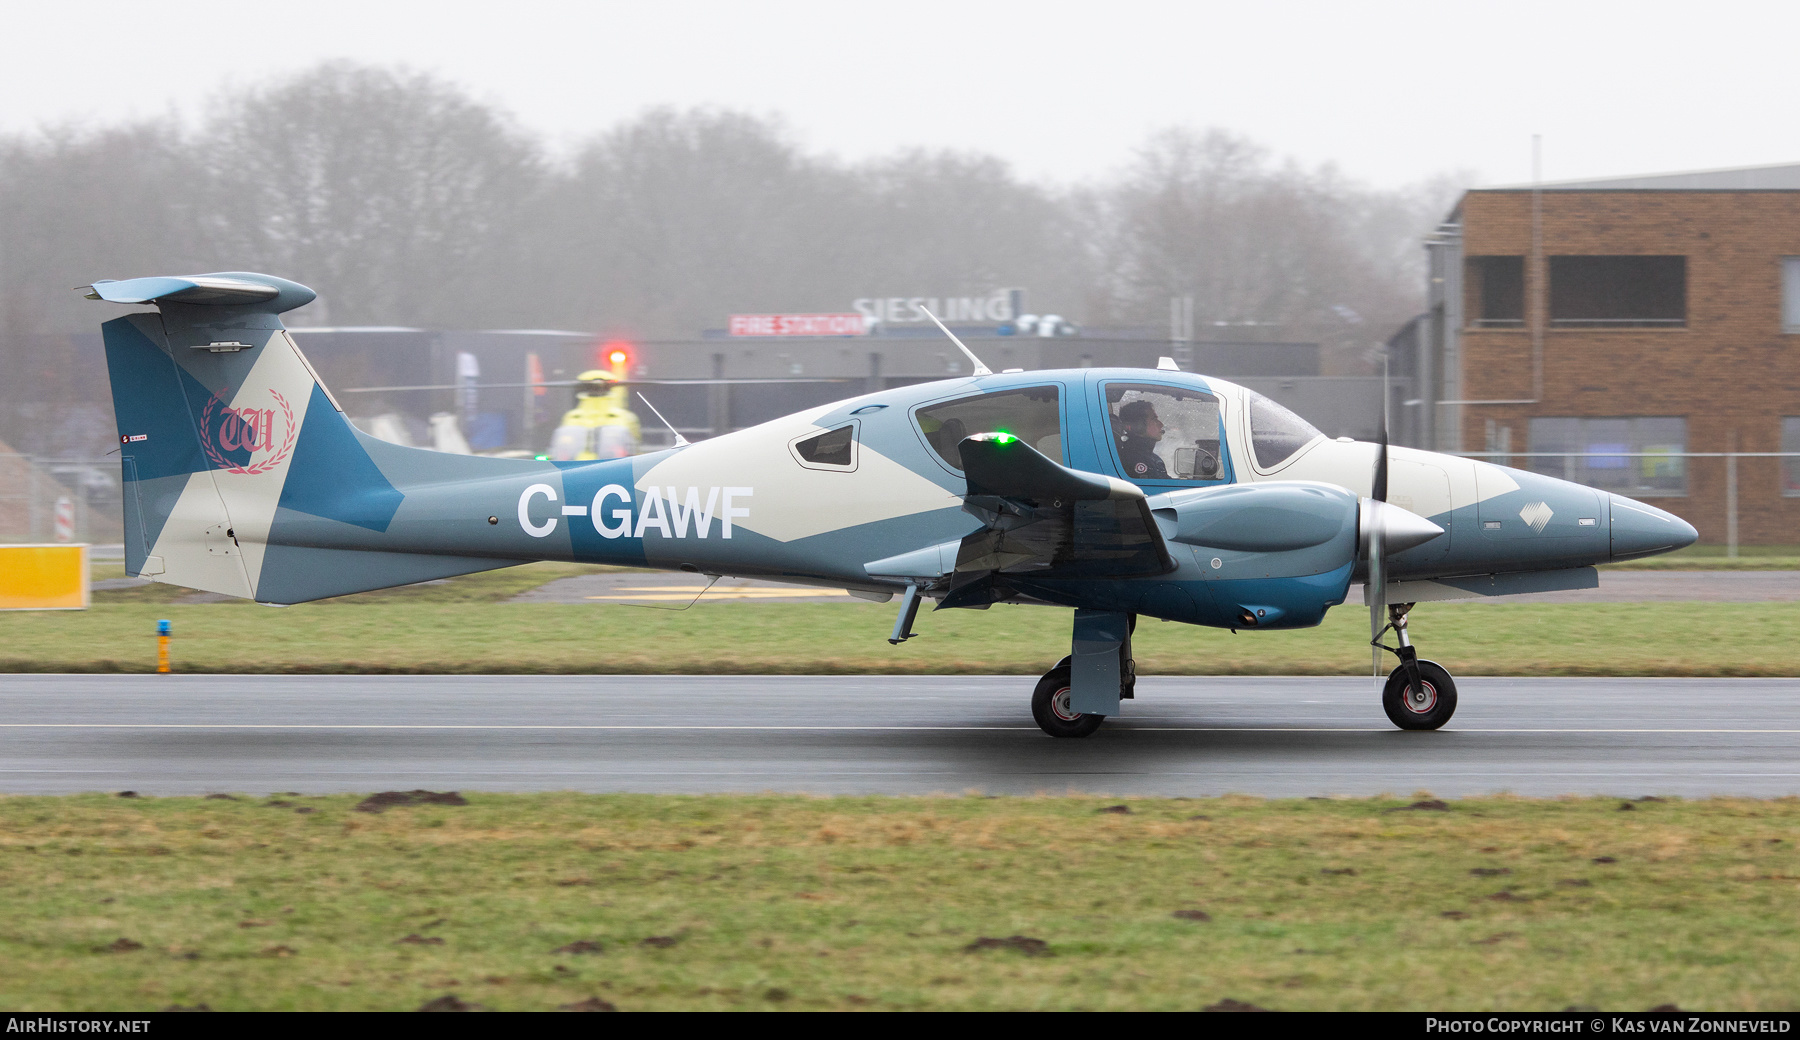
(394, 194)
(674, 218)
(1268, 250)
(77, 204)
(947, 222)
(405, 201)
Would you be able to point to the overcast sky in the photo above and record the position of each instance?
(1391, 92)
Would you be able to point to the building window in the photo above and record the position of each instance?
(1790, 295)
(1496, 288)
(1618, 291)
(1649, 462)
(1790, 468)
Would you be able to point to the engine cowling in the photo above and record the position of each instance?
(1277, 554)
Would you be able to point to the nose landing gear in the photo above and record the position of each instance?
(1419, 694)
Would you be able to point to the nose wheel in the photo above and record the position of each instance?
(1419, 694)
(1424, 703)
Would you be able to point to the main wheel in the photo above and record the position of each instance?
(1050, 707)
(1426, 706)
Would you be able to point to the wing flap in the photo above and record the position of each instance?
(1046, 520)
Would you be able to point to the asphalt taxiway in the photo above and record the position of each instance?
(898, 735)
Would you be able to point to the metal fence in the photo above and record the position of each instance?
(51, 500)
(1662, 474)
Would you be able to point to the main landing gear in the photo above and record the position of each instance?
(1050, 706)
(1419, 694)
(1076, 696)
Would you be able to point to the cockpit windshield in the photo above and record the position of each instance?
(1277, 433)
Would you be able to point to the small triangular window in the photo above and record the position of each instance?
(833, 448)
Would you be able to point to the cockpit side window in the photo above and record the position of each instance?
(1032, 414)
(1276, 433)
(1164, 433)
(832, 450)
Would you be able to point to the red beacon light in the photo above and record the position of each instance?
(615, 355)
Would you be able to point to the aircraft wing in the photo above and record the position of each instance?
(1047, 521)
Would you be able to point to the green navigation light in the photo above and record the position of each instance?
(1004, 438)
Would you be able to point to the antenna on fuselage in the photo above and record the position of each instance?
(680, 441)
(980, 369)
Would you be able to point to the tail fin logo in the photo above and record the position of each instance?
(247, 439)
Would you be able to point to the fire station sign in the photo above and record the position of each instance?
(798, 325)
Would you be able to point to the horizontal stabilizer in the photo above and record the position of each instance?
(226, 289)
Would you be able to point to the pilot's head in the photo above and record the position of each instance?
(1138, 419)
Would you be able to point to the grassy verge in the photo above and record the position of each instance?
(408, 632)
(798, 903)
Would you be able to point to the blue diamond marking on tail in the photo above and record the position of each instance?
(331, 475)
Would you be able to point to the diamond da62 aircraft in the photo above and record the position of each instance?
(1120, 493)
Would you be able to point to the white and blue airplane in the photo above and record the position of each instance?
(1120, 493)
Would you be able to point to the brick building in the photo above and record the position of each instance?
(1652, 316)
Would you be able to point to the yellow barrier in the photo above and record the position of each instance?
(43, 577)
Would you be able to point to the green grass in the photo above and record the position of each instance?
(463, 626)
(844, 903)
(407, 632)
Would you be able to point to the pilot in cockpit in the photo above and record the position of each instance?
(1137, 431)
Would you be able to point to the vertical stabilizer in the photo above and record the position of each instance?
(223, 425)
(210, 395)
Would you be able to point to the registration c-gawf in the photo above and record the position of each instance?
(662, 510)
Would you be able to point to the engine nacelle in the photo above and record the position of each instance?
(1270, 555)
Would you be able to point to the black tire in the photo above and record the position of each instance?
(1428, 710)
(1050, 703)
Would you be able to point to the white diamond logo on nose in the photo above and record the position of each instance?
(1537, 514)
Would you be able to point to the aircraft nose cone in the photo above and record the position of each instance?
(1641, 530)
(1401, 529)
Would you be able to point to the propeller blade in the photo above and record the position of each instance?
(1376, 589)
(1378, 486)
